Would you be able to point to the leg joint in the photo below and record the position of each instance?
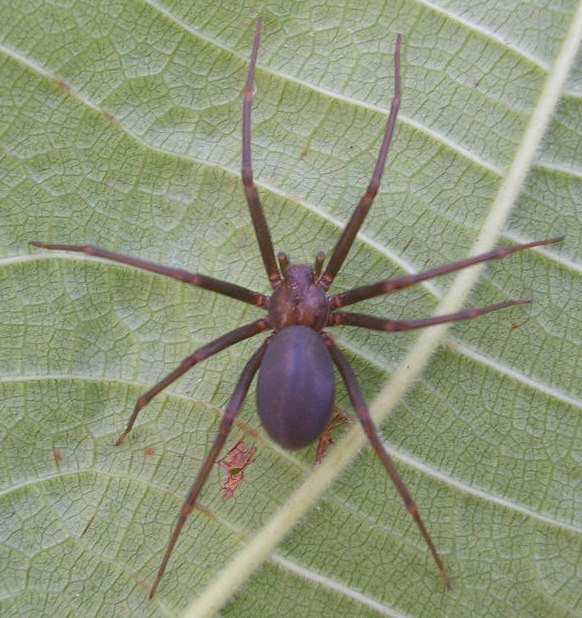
(247, 176)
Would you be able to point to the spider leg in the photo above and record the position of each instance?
(348, 235)
(393, 285)
(251, 193)
(236, 335)
(361, 409)
(232, 410)
(201, 281)
(373, 323)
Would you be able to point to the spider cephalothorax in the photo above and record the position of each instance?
(298, 299)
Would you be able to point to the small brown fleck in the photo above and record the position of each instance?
(63, 85)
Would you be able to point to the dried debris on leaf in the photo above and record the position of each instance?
(325, 440)
(234, 463)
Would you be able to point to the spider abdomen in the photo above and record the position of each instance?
(296, 387)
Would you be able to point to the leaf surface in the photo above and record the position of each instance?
(120, 127)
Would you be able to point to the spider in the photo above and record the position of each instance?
(296, 385)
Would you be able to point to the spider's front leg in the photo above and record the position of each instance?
(346, 240)
(251, 193)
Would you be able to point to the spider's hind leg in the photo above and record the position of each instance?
(232, 410)
(361, 409)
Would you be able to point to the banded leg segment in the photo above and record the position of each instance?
(348, 235)
(393, 285)
(232, 410)
(251, 193)
(373, 323)
(244, 332)
(201, 281)
(361, 409)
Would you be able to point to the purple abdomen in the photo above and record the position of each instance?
(296, 387)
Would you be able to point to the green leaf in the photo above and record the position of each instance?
(120, 127)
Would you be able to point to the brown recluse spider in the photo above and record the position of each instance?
(296, 385)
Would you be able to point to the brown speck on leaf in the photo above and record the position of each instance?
(58, 456)
(234, 463)
(63, 85)
(325, 440)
